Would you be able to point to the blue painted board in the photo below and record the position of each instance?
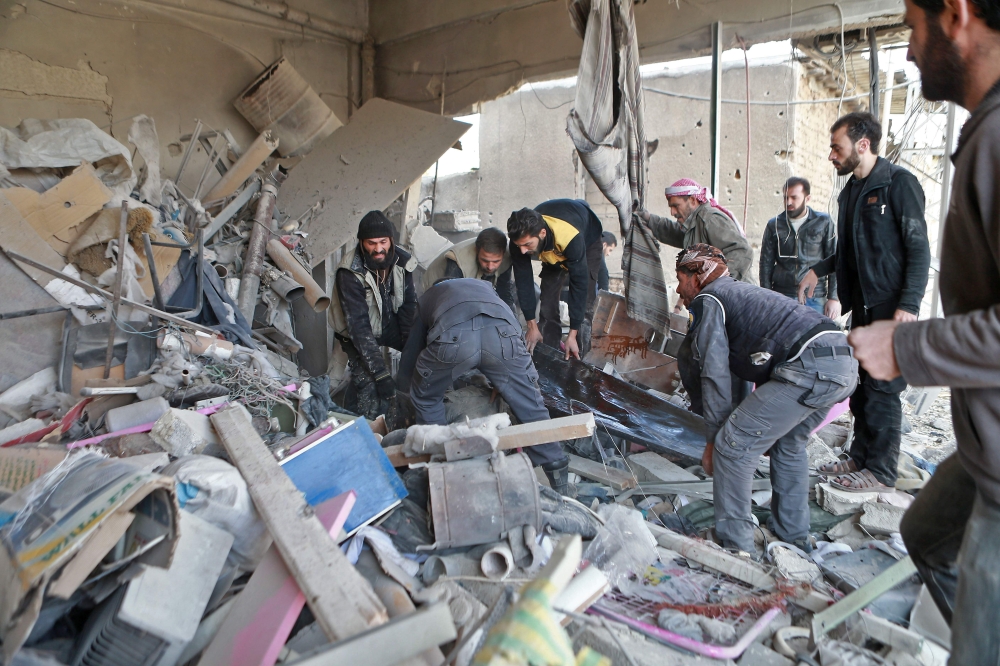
(349, 458)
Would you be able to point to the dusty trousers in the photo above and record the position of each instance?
(361, 396)
(553, 279)
(494, 348)
(778, 416)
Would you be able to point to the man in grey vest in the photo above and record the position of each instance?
(462, 325)
(484, 257)
(373, 303)
(802, 366)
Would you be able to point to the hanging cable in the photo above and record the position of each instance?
(746, 175)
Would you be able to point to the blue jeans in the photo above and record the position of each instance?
(816, 304)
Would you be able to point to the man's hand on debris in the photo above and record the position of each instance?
(874, 351)
(706, 458)
(832, 308)
(572, 346)
(386, 387)
(808, 286)
(532, 336)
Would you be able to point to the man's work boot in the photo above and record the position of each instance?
(558, 473)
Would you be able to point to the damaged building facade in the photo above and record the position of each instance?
(206, 459)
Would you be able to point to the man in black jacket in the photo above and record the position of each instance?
(565, 235)
(881, 264)
(373, 305)
(795, 240)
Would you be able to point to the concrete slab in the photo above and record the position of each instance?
(651, 467)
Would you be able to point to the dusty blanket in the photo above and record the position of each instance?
(606, 126)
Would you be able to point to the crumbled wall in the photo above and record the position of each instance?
(811, 146)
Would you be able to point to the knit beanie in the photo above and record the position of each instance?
(375, 225)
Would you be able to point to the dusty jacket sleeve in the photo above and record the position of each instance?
(359, 328)
(505, 288)
(524, 278)
(961, 351)
(710, 350)
(408, 309)
(725, 235)
(907, 199)
(579, 279)
(667, 230)
(830, 249)
(768, 251)
(411, 350)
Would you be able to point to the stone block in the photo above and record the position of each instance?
(839, 502)
(758, 655)
(181, 432)
(879, 518)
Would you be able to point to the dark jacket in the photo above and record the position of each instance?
(502, 282)
(742, 330)
(396, 323)
(573, 257)
(786, 256)
(444, 305)
(963, 349)
(889, 238)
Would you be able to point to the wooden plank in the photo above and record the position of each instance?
(364, 166)
(244, 167)
(58, 214)
(526, 434)
(832, 617)
(393, 643)
(257, 627)
(342, 601)
(18, 236)
(616, 478)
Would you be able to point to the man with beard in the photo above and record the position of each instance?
(373, 304)
(952, 530)
(881, 264)
(794, 241)
(801, 365)
(702, 219)
(484, 257)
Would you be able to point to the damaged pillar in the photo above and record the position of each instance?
(367, 69)
(259, 235)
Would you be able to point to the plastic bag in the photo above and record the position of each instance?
(624, 546)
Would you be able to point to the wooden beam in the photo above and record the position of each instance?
(610, 476)
(824, 622)
(526, 434)
(342, 601)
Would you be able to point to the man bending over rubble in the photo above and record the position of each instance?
(802, 367)
(372, 306)
(565, 235)
(461, 326)
(484, 257)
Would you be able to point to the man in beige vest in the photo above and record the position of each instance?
(373, 305)
(484, 257)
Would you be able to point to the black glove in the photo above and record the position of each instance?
(386, 388)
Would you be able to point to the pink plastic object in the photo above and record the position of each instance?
(259, 624)
(309, 439)
(145, 427)
(834, 412)
(670, 638)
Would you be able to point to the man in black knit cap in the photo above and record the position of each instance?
(373, 305)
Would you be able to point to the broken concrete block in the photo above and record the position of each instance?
(651, 467)
(181, 432)
(427, 244)
(452, 221)
(840, 502)
(881, 518)
(819, 452)
(758, 655)
(849, 533)
(833, 435)
(794, 567)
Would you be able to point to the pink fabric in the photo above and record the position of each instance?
(685, 187)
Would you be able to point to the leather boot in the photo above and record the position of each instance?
(558, 473)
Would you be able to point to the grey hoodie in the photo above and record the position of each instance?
(963, 349)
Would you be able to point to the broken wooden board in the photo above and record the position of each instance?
(342, 601)
(17, 235)
(364, 166)
(165, 259)
(59, 213)
(526, 434)
(625, 342)
(618, 479)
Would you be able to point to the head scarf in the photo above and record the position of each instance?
(706, 262)
(685, 187)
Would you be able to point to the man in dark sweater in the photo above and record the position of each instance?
(881, 263)
(565, 235)
(801, 365)
(373, 303)
(463, 325)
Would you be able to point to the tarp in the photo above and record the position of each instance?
(606, 126)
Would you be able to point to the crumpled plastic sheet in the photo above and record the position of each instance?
(624, 547)
(142, 135)
(430, 439)
(396, 565)
(76, 298)
(65, 142)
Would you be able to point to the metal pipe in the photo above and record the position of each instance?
(187, 153)
(283, 11)
(253, 262)
(315, 295)
(36, 311)
(946, 174)
(715, 117)
(116, 299)
(873, 105)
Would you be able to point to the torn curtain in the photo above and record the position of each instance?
(606, 126)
